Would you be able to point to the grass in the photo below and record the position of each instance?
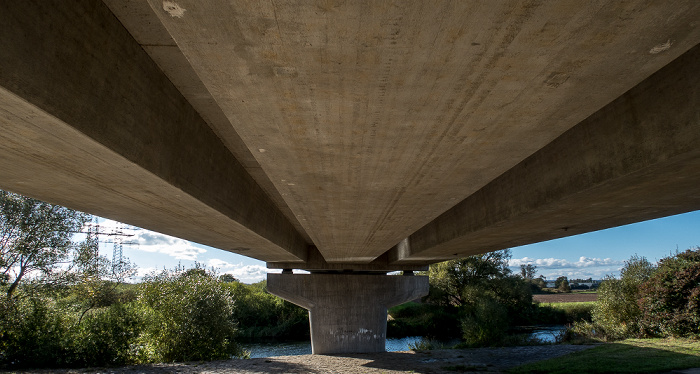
(563, 313)
(566, 306)
(627, 356)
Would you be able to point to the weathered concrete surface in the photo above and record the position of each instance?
(371, 119)
(321, 135)
(347, 313)
(89, 121)
(635, 159)
(141, 21)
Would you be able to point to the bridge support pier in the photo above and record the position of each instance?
(347, 312)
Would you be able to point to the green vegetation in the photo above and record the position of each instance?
(562, 284)
(627, 356)
(670, 298)
(261, 315)
(63, 305)
(647, 301)
(174, 315)
(476, 297)
(563, 313)
(35, 237)
(183, 304)
(422, 319)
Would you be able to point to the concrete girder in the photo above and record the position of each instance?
(388, 115)
(371, 119)
(142, 22)
(90, 122)
(635, 159)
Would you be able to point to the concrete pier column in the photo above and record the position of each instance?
(347, 313)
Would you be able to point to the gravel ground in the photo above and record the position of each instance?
(493, 360)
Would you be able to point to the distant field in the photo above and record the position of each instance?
(566, 297)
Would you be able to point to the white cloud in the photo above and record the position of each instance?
(153, 242)
(585, 267)
(140, 272)
(244, 273)
(558, 263)
(150, 241)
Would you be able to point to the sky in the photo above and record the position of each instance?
(593, 255)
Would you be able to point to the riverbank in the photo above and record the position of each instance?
(492, 360)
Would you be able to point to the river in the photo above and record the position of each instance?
(258, 350)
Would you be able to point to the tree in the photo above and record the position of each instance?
(35, 236)
(616, 314)
(488, 297)
(562, 284)
(227, 278)
(97, 279)
(528, 271)
(669, 298)
(451, 277)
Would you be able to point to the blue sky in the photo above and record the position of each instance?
(588, 255)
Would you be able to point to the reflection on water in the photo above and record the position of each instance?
(545, 334)
(258, 350)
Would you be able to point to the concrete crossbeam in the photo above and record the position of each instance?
(316, 262)
(635, 159)
(347, 313)
(90, 121)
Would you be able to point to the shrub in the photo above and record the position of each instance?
(34, 333)
(108, 336)
(617, 315)
(432, 321)
(263, 315)
(670, 298)
(489, 298)
(190, 317)
(484, 323)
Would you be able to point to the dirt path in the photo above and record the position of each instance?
(565, 297)
(492, 360)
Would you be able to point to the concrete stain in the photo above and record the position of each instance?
(173, 9)
(661, 47)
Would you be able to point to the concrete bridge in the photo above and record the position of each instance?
(354, 138)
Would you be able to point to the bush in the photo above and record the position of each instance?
(484, 323)
(670, 298)
(34, 333)
(617, 315)
(490, 300)
(432, 321)
(263, 315)
(494, 306)
(190, 317)
(108, 336)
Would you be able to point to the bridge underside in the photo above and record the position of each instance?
(338, 136)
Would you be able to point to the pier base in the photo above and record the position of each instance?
(347, 312)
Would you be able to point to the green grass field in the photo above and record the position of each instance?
(564, 313)
(627, 356)
(574, 305)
